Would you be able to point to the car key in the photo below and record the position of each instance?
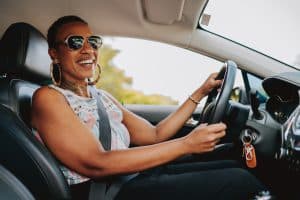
(249, 151)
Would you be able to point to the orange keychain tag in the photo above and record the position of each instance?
(250, 156)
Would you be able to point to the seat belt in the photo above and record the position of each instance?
(104, 125)
(98, 189)
(101, 190)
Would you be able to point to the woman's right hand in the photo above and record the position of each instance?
(204, 137)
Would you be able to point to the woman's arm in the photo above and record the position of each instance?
(143, 133)
(76, 147)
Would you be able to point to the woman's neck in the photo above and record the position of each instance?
(78, 88)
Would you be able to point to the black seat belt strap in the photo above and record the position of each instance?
(104, 125)
(101, 189)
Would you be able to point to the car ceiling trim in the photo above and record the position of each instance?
(223, 49)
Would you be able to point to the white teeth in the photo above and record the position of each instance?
(86, 62)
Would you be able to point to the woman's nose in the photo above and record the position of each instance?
(87, 48)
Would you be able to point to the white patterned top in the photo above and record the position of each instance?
(86, 109)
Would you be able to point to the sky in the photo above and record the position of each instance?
(271, 26)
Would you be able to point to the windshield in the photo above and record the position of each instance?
(271, 27)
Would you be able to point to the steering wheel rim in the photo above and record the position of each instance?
(217, 102)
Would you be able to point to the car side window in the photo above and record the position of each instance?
(255, 82)
(145, 72)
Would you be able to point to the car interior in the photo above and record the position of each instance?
(35, 166)
(11, 187)
(270, 120)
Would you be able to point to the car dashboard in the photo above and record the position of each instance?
(280, 109)
(283, 106)
(283, 92)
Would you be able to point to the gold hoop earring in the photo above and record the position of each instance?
(55, 73)
(97, 78)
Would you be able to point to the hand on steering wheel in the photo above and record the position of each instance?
(216, 103)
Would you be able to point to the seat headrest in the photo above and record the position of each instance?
(24, 54)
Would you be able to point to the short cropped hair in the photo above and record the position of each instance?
(54, 28)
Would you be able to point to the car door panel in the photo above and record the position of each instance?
(156, 113)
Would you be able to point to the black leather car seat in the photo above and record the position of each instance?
(11, 187)
(23, 56)
(24, 66)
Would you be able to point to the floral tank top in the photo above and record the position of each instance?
(86, 109)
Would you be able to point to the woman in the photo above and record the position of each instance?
(68, 125)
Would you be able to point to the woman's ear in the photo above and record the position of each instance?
(52, 53)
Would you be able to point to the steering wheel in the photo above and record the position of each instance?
(216, 104)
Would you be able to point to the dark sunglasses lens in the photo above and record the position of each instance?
(95, 42)
(75, 42)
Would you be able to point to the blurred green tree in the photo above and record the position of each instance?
(119, 85)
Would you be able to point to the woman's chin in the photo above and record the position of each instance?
(86, 73)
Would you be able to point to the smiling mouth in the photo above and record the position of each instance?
(87, 62)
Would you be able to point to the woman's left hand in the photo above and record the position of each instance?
(210, 84)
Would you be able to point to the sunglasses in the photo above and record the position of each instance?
(76, 42)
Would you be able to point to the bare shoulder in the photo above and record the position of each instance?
(46, 96)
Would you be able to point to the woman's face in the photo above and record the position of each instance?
(76, 65)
